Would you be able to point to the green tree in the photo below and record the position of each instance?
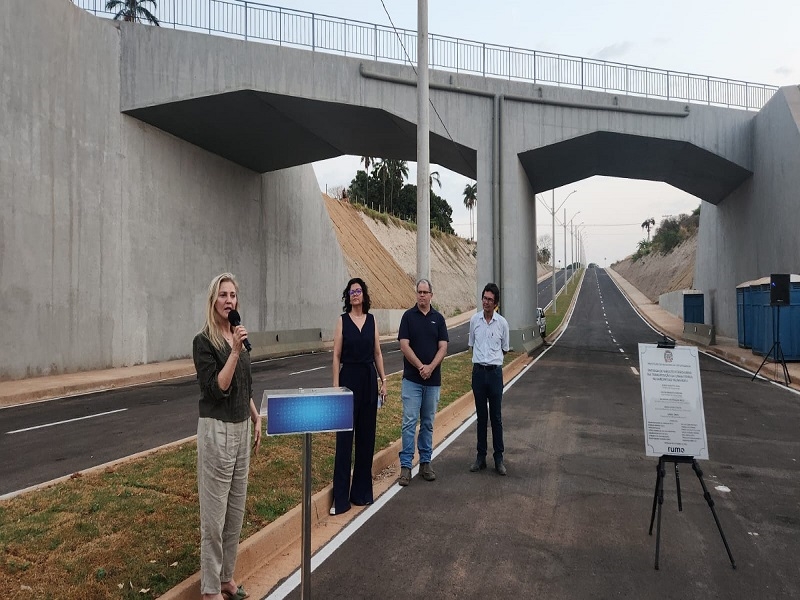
(368, 161)
(365, 189)
(397, 174)
(668, 235)
(441, 211)
(648, 223)
(543, 253)
(133, 10)
(434, 178)
(470, 199)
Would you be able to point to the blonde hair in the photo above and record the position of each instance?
(212, 329)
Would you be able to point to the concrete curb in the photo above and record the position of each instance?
(13, 393)
(272, 554)
(749, 362)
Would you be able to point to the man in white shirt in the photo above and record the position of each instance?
(488, 338)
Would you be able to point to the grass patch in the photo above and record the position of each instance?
(563, 301)
(135, 526)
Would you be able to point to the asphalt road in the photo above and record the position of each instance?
(571, 518)
(52, 439)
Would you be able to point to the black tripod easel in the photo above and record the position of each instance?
(776, 349)
(658, 498)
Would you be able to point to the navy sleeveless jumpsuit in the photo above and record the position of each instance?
(359, 375)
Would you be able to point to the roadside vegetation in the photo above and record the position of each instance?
(132, 531)
(563, 301)
(670, 233)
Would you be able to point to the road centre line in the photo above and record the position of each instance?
(635, 372)
(308, 370)
(110, 412)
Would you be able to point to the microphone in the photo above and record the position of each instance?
(235, 320)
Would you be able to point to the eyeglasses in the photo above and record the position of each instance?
(485, 299)
(423, 292)
(355, 292)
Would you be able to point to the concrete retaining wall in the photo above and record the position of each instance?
(674, 302)
(111, 230)
(754, 230)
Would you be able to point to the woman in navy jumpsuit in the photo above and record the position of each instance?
(357, 365)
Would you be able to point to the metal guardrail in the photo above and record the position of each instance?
(272, 24)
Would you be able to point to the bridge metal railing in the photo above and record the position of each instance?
(295, 28)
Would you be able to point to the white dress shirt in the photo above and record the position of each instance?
(488, 340)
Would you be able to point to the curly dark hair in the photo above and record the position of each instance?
(346, 295)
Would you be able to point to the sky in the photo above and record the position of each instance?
(733, 39)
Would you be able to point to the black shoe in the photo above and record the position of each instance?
(500, 468)
(478, 465)
(427, 472)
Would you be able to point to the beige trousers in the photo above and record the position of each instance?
(223, 461)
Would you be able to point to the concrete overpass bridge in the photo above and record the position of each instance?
(269, 108)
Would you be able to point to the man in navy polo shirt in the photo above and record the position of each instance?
(423, 342)
(488, 338)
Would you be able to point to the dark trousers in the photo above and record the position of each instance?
(487, 387)
(365, 410)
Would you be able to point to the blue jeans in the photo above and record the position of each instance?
(419, 402)
(488, 386)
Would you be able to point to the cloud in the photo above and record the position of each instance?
(614, 51)
(783, 71)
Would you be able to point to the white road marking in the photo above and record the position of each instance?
(307, 370)
(293, 581)
(110, 412)
(722, 488)
(635, 372)
(621, 350)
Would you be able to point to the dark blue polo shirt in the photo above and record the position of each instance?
(423, 332)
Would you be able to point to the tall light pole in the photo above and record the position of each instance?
(423, 146)
(571, 242)
(578, 233)
(553, 213)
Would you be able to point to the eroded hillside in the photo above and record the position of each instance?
(657, 274)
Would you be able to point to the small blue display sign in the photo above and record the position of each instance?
(309, 410)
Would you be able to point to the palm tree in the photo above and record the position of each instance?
(133, 10)
(648, 223)
(368, 161)
(434, 177)
(397, 169)
(470, 200)
(382, 169)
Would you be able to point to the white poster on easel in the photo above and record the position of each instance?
(672, 401)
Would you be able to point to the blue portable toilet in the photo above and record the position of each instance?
(766, 318)
(760, 310)
(693, 308)
(743, 317)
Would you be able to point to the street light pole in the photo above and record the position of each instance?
(553, 213)
(423, 146)
(571, 243)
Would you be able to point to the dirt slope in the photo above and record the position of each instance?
(383, 250)
(389, 285)
(453, 263)
(656, 274)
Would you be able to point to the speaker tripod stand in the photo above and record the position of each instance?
(776, 351)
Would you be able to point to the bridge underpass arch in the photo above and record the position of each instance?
(687, 167)
(530, 117)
